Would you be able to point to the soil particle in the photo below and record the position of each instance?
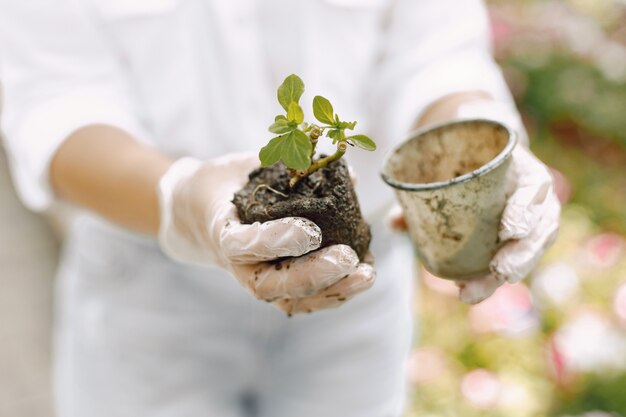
(325, 197)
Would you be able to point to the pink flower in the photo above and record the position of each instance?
(501, 29)
(556, 362)
(556, 283)
(589, 343)
(425, 365)
(509, 310)
(440, 285)
(604, 250)
(481, 388)
(562, 186)
(619, 302)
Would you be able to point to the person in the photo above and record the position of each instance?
(146, 114)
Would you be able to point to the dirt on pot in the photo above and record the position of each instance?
(326, 197)
(453, 181)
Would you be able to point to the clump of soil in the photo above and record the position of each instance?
(325, 197)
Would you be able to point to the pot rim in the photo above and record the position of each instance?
(482, 170)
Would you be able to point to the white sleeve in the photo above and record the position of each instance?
(432, 49)
(58, 74)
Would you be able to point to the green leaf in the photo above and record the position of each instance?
(290, 91)
(347, 125)
(295, 113)
(337, 135)
(363, 142)
(280, 117)
(296, 152)
(271, 153)
(334, 134)
(282, 126)
(293, 148)
(323, 110)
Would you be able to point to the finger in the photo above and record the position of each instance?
(299, 277)
(477, 290)
(260, 242)
(517, 258)
(369, 258)
(527, 204)
(396, 220)
(333, 296)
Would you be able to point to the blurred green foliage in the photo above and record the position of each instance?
(567, 89)
(521, 338)
(577, 120)
(606, 393)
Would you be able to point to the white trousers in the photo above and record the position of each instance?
(138, 335)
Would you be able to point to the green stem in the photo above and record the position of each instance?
(323, 163)
(320, 163)
(314, 135)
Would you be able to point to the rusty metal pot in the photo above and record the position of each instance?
(452, 181)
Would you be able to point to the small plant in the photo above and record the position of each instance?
(317, 188)
(297, 140)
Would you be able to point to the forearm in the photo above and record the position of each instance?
(104, 169)
(446, 108)
(474, 105)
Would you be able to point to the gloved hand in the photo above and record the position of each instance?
(529, 225)
(199, 225)
(530, 220)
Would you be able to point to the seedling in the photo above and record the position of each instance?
(297, 140)
(317, 188)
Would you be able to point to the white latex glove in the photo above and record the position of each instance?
(530, 220)
(529, 225)
(199, 225)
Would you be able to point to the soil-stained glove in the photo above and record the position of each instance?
(530, 220)
(199, 225)
(529, 226)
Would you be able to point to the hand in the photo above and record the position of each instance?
(529, 226)
(199, 225)
(530, 221)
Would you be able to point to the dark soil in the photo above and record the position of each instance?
(325, 197)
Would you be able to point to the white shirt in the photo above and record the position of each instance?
(199, 77)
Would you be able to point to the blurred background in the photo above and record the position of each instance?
(554, 345)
